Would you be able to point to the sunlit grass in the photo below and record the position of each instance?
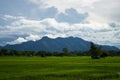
(59, 68)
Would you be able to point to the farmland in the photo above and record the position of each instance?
(59, 68)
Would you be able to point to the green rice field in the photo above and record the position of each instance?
(59, 68)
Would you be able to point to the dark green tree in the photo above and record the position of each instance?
(55, 53)
(13, 52)
(104, 54)
(4, 52)
(65, 51)
(32, 53)
(95, 51)
(41, 53)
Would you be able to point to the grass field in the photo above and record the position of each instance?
(59, 68)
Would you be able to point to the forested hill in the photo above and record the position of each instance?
(57, 44)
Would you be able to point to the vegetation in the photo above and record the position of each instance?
(59, 68)
(30, 65)
(65, 51)
(97, 52)
(94, 52)
(3, 52)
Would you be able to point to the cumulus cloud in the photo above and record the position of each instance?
(20, 40)
(6, 17)
(71, 16)
(98, 10)
(17, 41)
(23, 29)
(10, 17)
(32, 37)
(93, 20)
(80, 5)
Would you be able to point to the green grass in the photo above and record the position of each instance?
(59, 68)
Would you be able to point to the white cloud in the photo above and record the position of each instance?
(17, 41)
(6, 17)
(98, 10)
(56, 35)
(20, 40)
(95, 27)
(28, 29)
(108, 9)
(80, 5)
(10, 17)
(32, 37)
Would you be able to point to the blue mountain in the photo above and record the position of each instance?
(57, 44)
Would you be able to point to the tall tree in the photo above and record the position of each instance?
(65, 51)
(95, 51)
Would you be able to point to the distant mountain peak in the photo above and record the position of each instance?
(45, 37)
(56, 44)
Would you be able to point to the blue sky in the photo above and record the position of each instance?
(92, 20)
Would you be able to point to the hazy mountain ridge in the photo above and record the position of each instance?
(57, 44)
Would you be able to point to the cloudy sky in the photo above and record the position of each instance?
(92, 20)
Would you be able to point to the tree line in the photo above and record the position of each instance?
(95, 52)
(65, 52)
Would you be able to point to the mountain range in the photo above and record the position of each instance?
(57, 44)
